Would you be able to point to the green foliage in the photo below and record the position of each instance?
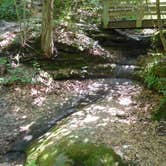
(8, 10)
(160, 112)
(3, 61)
(19, 75)
(63, 160)
(32, 163)
(78, 153)
(36, 67)
(154, 75)
(155, 78)
(16, 75)
(91, 155)
(77, 10)
(151, 81)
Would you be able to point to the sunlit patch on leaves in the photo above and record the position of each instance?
(32, 163)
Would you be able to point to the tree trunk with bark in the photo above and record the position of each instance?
(163, 40)
(47, 44)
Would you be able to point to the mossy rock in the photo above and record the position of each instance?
(68, 153)
(66, 74)
(61, 146)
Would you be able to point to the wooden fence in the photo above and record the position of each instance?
(132, 13)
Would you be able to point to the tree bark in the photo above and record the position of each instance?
(163, 40)
(47, 44)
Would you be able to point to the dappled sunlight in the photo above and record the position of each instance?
(95, 107)
(39, 93)
(115, 111)
(6, 39)
(16, 109)
(47, 142)
(133, 14)
(126, 101)
(28, 138)
(72, 129)
(50, 137)
(45, 156)
(109, 98)
(78, 39)
(149, 31)
(111, 113)
(78, 103)
(82, 121)
(44, 78)
(95, 85)
(39, 101)
(26, 128)
(90, 119)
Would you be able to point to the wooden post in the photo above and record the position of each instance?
(140, 14)
(105, 15)
(160, 24)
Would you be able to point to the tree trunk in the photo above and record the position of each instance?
(163, 40)
(47, 44)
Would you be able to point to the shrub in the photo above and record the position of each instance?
(155, 78)
(160, 112)
(8, 10)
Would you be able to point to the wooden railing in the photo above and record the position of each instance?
(131, 10)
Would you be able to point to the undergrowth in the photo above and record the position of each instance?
(8, 10)
(155, 78)
(16, 74)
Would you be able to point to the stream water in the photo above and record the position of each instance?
(114, 112)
